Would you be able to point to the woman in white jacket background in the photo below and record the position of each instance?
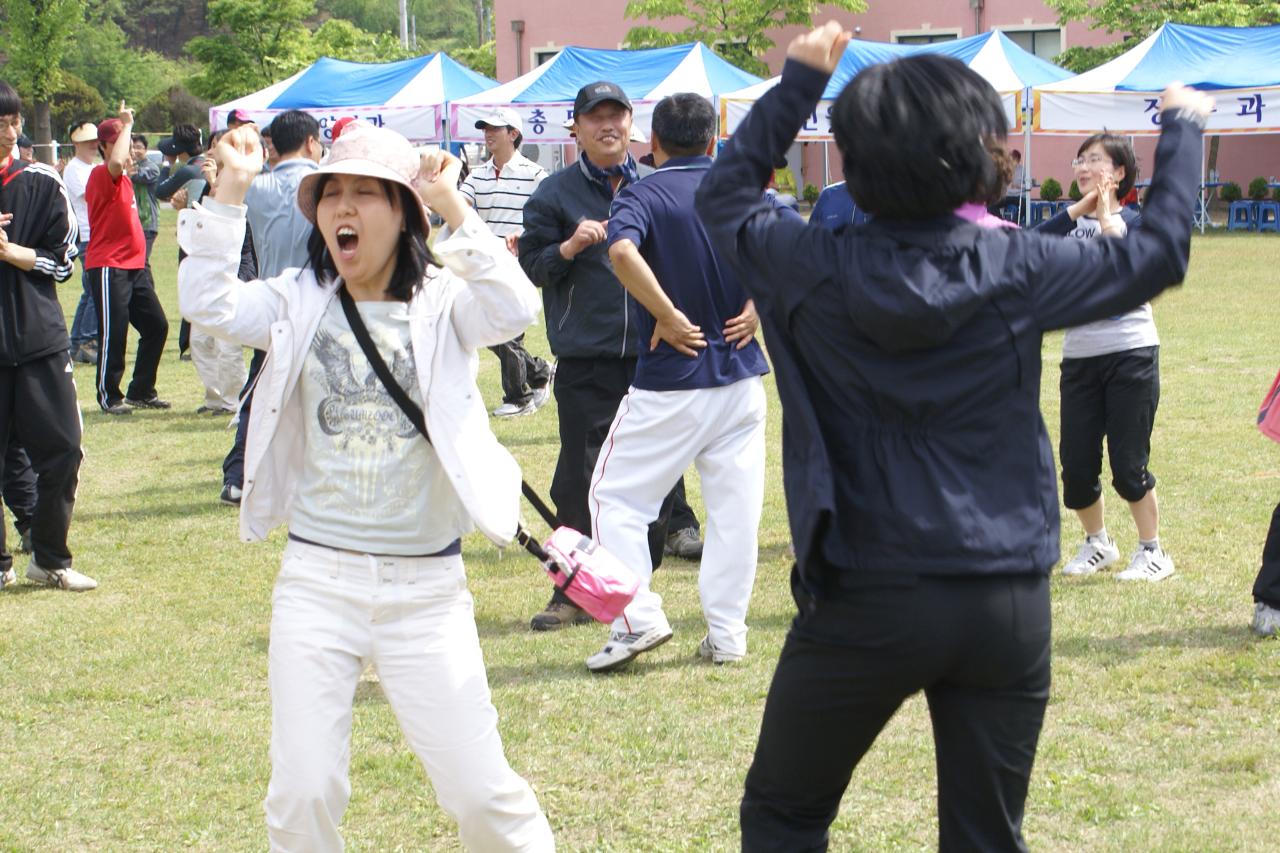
(372, 571)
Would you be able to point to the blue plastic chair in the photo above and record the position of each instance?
(1242, 216)
(1060, 206)
(1268, 216)
(1040, 211)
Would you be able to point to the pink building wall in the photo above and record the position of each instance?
(552, 24)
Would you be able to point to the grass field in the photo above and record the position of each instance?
(136, 717)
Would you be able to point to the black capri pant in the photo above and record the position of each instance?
(1113, 396)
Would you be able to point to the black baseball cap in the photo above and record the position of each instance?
(592, 95)
(25, 141)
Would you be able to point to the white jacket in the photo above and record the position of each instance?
(482, 298)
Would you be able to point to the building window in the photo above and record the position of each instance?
(925, 36)
(1045, 43)
(543, 55)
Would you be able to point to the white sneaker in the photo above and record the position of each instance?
(1266, 620)
(623, 647)
(7, 577)
(1147, 566)
(1091, 556)
(708, 651)
(540, 397)
(513, 410)
(68, 579)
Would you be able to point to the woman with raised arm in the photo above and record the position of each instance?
(920, 482)
(372, 572)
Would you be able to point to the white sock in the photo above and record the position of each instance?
(1099, 538)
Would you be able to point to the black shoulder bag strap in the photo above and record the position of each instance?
(414, 412)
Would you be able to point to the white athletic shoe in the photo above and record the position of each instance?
(1091, 556)
(622, 647)
(513, 410)
(1266, 620)
(68, 579)
(708, 651)
(7, 577)
(1147, 566)
(540, 397)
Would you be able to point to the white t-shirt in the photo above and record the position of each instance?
(76, 176)
(1120, 333)
(370, 482)
(499, 196)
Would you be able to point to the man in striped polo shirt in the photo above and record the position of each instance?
(498, 190)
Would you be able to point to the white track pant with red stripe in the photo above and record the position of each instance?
(655, 436)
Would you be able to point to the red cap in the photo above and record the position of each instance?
(109, 131)
(340, 124)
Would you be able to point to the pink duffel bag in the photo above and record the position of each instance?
(1269, 412)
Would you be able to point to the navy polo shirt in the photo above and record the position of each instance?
(657, 215)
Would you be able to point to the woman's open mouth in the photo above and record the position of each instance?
(347, 242)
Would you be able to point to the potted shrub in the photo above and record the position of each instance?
(1074, 193)
(811, 193)
(1258, 189)
(1050, 190)
(1231, 192)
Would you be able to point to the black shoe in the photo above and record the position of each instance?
(24, 542)
(117, 409)
(684, 544)
(560, 615)
(85, 354)
(152, 402)
(230, 495)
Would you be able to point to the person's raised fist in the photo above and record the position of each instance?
(1179, 97)
(438, 173)
(821, 47)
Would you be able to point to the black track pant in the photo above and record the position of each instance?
(38, 405)
(18, 484)
(127, 298)
(522, 372)
(588, 392)
(978, 648)
(1267, 587)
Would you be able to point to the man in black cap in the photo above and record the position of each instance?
(591, 320)
(26, 148)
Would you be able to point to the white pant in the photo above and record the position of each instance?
(220, 366)
(333, 611)
(655, 436)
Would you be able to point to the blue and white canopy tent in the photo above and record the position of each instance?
(409, 96)
(544, 97)
(1009, 69)
(1239, 65)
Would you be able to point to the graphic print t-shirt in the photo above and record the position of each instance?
(1120, 333)
(370, 482)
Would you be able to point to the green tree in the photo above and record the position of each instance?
(36, 35)
(99, 53)
(1134, 20)
(257, 43)
(736, 29)
(482, 59)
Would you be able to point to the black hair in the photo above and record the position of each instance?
(685, 124)
(291, 129)
(187, 139)
(519, 139)
(1121, 154)
(917, 136)
(138, 137)
(10, 103)
(213, 139)
(412, 257)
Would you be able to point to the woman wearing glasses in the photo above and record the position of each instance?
(1110, 383)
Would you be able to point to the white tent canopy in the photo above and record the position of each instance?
(1240, 65)
(544, 96)
(408, 96)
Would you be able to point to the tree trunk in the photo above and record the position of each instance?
(44, 134)
(479, 4)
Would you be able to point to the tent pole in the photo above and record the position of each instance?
(1024, 191)
(1203, 213)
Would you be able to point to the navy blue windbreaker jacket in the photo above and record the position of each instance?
(907, 357)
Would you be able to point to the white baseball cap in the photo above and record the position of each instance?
(501, 117)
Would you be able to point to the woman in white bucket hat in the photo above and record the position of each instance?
(372, 572)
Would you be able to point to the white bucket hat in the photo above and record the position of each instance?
(368, 151)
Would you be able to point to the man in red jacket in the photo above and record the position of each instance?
(118, 276)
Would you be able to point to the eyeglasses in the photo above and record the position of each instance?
(10, 124)
(1092, 162)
